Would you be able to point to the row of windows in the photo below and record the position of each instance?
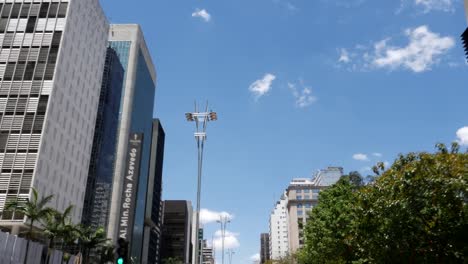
(32, 24)
(22, 104)
(308, 191)
(29, 123)
(24, 54)
(16, 40)
(43, 10)
(27, 71)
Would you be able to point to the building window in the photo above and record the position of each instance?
(315, 191)
(308, 205)
(306, 191)
(299, 205)
(306, 196)
(298, 191)
(300, 212)
(299, 197)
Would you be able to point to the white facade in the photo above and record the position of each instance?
(64, 140)
(279, 229)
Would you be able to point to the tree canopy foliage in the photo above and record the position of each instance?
(415, 212)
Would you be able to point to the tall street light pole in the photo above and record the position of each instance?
(230, 253)
(223, 221)
(201, 120)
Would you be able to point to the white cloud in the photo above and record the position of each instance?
(386, 164)
(303, 96)
(231, 240)
(360, 157)
(423, 49)
(378, 155)
(208, 216)
(202, 13)
(255, 257)
(429, 5)
(462, 135)
(344, 56)
(419, 55)
(262, 86)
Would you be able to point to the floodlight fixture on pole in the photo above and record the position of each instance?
(223, 221)
(201, 120)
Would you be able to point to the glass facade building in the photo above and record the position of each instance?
(135, 116)
(101, 170)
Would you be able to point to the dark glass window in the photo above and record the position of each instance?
(44, 10)
(53, 10)
(42, 106)
(62, 12)
(56, 39)
(6, 10)
(31, 25)
(19, 71)
(53, 55)
(16, 11)
(28, 75)
(10, 68)
(3, 24)
(25, 10)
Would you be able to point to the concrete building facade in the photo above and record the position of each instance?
(279, 229)
(264, 247)
(52, 55)
(302, 195)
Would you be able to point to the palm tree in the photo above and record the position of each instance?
(54, 225)
(91, 239)
(33, 209)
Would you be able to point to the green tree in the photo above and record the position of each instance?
(34, 209)
(90, 239)
(172, 261)
(329, 228)
(54, 226)
(416, 211)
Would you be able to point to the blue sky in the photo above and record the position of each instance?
(298, 85)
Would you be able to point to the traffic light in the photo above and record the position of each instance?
(122, 251)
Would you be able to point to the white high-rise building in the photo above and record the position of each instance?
(279, 229)
(52, 54)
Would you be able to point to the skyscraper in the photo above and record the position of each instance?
(101, 168)
(264, 247)
(279, 227)
(153, 212)
(127, 212)
(177, 231)
(51, 62)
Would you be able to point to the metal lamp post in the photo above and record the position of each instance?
(223, 221)
(201, 120)
(230, 253)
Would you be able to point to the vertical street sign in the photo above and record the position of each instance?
(130, 186)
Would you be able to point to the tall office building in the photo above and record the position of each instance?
(302, 196)
(101, 168)
(177, 231)
(279, 236)
(153, 212)
(207, 255)
(52, 54)
(264, 247)
(132, 161)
